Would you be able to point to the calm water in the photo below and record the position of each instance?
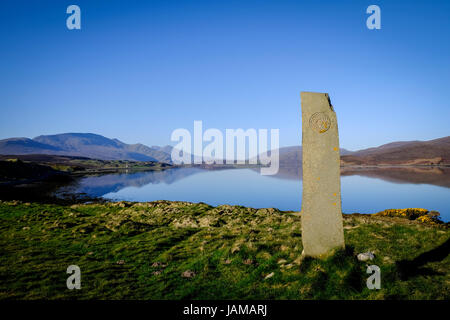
(364, 191)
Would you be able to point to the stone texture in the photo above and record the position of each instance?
(366, 256)
(322, 226)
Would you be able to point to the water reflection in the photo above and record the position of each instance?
(98, 186)
(438, 176)
(364, 190)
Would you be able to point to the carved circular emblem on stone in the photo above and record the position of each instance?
(320, 122)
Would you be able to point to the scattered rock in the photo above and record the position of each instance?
(159, 265)
(121, 262)
(185, 222)
(248, 261)
(265, 255)
(123, 204)
(90, 253)
(270, 275)
(188, 274)
(388, 260)
(157, 273)
(268, 211)
(365, 256)
(237, 246)
(228, 261)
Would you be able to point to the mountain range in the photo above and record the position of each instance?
(85, 145)
(432, 152)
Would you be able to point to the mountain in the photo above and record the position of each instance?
(291, 157)
(432, 152)
(85, 145)
(24, 146)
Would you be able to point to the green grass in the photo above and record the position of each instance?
(140, 250)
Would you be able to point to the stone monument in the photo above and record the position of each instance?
(321, 216)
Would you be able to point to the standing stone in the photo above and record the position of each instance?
(322, 227)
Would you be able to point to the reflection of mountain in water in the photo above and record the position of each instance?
(416, 175)
(439, 176)
(101, 185)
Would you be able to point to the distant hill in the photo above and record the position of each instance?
(292, 156)
(432, 152)
(84, 145)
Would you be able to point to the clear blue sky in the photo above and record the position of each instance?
(137, 70)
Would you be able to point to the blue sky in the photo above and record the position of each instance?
(137, 70)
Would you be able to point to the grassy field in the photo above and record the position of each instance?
(179, 250)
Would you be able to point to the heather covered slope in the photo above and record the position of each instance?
(432, 152)
(410, 153)
(180, 250)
